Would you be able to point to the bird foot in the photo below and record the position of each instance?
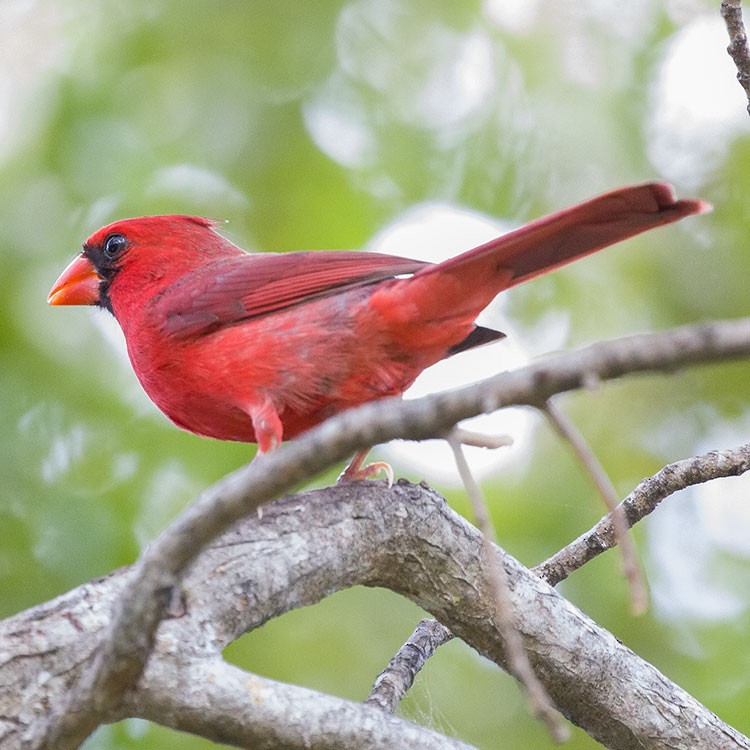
(358, 469)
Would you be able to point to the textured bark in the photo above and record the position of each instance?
(301, 550)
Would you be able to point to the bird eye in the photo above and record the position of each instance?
(114, 244)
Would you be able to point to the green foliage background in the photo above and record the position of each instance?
(117, 108)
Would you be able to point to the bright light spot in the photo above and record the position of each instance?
(435, 232)
(724, 506)
(111, 333)
(433, 460)
(136, 729)
(169, 489)
(32, 44)
(681, 557)
(197, 184)
(430, 75)
(697, 104)
(625, 20)
(689, 534)
(65, 450)
(516, 16)
(338, 124)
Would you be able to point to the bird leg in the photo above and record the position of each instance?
(358, 469)
(266, 425)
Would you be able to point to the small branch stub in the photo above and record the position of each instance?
(398, 677)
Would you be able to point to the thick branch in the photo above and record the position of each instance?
(231, 706)
(308, 546)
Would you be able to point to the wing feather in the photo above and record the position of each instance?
(238, 288)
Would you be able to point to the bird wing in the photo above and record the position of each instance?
(234, 289)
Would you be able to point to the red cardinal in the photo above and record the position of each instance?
(260, 347)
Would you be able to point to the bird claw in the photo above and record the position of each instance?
(358, 469)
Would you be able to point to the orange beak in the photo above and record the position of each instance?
(78, 284)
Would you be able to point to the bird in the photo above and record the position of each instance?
(261, 347)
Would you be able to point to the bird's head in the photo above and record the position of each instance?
(152, 249)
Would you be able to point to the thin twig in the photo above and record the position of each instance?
(394, 681)
(567, 430)
(731, 12)
(640, 502)
(540, 703)
(481, 439)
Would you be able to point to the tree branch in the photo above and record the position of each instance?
(731, 12)
(305, 547)
(228, 705)
(642, 501)
(395, 680)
